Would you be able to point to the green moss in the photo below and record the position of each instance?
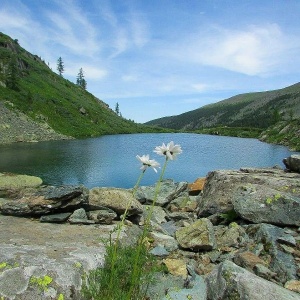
(41, 282)
(60, 297)
(270, 200)
(3, 265)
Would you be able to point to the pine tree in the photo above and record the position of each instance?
(117, 109)
(60, 66)
(80, 79)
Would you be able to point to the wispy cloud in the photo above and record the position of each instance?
(255, 50)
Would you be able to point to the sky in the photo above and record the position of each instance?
(158, 58)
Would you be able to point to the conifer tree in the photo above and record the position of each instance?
(80, 79)
(60, 66)
(117, 109)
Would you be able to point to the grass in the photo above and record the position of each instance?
(97, 284)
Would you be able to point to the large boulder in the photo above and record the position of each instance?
(119, 200)
(229, 281)
(9, 181)
(46, 200)
(292, 163)
(223, 186)
(261, 204)
(197, 236)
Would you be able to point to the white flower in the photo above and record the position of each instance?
(170, 151)
(146, 162)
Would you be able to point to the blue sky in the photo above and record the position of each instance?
(162, 57)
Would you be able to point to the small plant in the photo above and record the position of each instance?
(41, 282)
(269, 200)
(128, 270)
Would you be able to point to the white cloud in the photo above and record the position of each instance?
(256, 50)
(90, 72)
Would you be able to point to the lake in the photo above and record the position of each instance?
(110, 161)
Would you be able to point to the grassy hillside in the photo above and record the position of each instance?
(29, 86)
(272, 116)
(259, 110)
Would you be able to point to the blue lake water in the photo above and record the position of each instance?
(110, 161)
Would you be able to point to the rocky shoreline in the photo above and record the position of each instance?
(231, 235)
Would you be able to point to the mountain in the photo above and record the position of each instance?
(272, 116)
(261, 109)
(38, 104)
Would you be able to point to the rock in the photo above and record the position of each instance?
(198, 236)
(197, 186)
(103, 216)
(79, 216)
(292, 163)
(158, 214)
(116, 199)
(56, 218)
(228, 281)
(176, 267)
(232, 236)
(293, 285)
(46, 200)
(248, 260)
(170, 227)
(169, 190)
(266, 205)
(183, 203)
(177, 216)
(62, 252)
(10, 181)
(167, 241)
(221, 186)
(281, 262)
(264, 272)
(160, 251)
(196, 292)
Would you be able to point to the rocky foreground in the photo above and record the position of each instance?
(231, 235)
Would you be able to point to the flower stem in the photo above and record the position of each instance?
(119, 229)
(135, 276)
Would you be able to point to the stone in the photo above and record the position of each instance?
(229, 281)
(103, 216)
(79, 216)
(198, 236)
(158, 214)
(9, 181)
(162, 239)
(281, 262)
(176, 267)
(266, 205)
(177, 216)
(232, 236)
(293, 285)
(197, 186)
(264, 272)
(292, 163)
(169, 190)
(196, 292)
(56, 218)
(116, 199)
(221, 187)
(184, 203)
(248, 260)
(46, 200)
(160, 251)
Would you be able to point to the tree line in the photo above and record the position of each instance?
(80, 80)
